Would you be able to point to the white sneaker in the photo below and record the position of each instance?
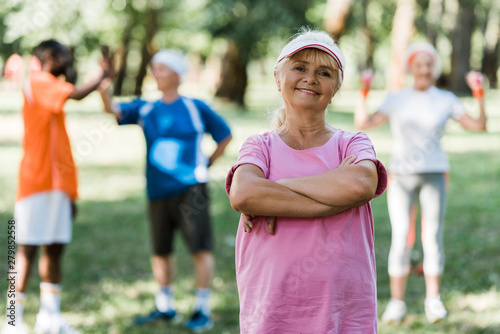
(19, 328)
(394, 312)
(434, 309)
(52, 324)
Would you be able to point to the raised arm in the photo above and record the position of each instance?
(107, 99)
(363, 121)
(107, 71)
(349, 185)
(475, 124)
(475, 81)
(82, 92)
(252, 194)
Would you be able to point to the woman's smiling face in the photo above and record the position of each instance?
(309, 80)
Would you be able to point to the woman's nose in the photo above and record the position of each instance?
(310, 77)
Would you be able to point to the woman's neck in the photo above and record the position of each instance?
(421, 88)
(304, 123)
(303, 132)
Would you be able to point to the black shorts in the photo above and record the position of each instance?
(187, 211)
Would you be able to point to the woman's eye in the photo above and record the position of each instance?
(299, 68)
(325, 74)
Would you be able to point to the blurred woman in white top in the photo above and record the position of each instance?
(418, 171)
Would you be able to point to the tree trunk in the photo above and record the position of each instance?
(233, 80)
(147, 49)
(336, 13)
(434, 15)
(461, 46)
(71, 72)
(122, 72)
(489, 64)
(370, 38)
(402, 31)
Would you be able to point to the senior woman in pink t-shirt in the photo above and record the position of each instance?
(305, 259)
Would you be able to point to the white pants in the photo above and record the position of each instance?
(402, 195)
(43, 219)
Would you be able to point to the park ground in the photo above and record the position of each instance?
(107, 276)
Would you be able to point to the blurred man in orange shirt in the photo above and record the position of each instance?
(47, 187)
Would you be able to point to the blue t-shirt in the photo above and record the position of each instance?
(173, 135)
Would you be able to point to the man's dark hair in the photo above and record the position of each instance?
(63, 62)
(49, 48)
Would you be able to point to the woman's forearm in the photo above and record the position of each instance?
(364, 121)
(475, 124)
(254, 195)
(361, 117)
(481, 120)
(108, 104)
(347, 186)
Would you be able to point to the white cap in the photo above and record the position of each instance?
(427, 48)
(174, 59)
(296, 46)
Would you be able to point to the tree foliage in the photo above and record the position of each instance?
(250, 26)
(466, 32)
(253, 24)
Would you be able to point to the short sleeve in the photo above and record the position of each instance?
(130, 111)
(253, 151)
(389, 105)
(214, 123)
(457, 108)
(360, 145)
(50, 92)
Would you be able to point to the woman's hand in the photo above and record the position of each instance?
(475, 82)
(366, 82)
(348, 161)
(248, 223)
(271, 225)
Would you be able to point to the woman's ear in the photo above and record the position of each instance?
(277, 79)
(335, 93)
(337, 88)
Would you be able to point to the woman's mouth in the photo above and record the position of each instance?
(307, 91)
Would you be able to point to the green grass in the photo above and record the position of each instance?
(107, 275)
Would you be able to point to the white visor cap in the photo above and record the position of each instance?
(174, 59)
(427, 48)
(296, 46)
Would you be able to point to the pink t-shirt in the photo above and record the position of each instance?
(315, 275)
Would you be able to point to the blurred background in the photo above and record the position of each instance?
(225, 38)
(232, 46)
